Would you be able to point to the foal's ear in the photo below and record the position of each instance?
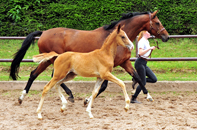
(118, 29)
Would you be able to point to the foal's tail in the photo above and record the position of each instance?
(44, 57)
(18, 56)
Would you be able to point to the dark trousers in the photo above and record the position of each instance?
(143, 70)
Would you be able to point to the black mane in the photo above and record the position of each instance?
(124, 16)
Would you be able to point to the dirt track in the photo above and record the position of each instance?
(169, 111)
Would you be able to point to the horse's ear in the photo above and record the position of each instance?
(118, 29)
(154, 13)
(122, 26)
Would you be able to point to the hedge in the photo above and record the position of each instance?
(21, 17)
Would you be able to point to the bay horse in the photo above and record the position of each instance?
(62, 40)
(98, 63)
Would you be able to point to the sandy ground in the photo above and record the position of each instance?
(169, 111)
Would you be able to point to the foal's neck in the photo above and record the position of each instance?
(110, 46)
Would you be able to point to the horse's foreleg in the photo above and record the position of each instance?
(112, 78)
(94, 94)
(34, 74)
(129, 68)
(103, 87)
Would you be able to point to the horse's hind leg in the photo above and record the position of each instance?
(103, 87)
(68, 91)
(94, 94)
(129, 68)
(34, 74)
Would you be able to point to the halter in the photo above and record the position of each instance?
(158, 32)
(151, 26)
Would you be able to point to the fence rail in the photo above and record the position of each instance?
(131, 59)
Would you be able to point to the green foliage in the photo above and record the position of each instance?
(21, 17)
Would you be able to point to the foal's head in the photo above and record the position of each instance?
(122, 38)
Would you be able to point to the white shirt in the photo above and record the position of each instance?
(144, 44)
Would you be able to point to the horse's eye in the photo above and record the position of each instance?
(123, 37)
(157, 24)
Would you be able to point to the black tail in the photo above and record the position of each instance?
(18, 56)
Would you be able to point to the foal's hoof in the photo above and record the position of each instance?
(20, 101)
(85, 102)
(71, 99)
(61, 110)
(126, 109)
(40, 118)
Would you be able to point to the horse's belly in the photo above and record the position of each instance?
(86, 73)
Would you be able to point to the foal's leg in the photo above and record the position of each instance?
(64, 102)
(34, 74)
(99, 81)
(67, 90)
(47, 87)
(68, 77)
(112, 78)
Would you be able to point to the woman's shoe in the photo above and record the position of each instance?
(134, 101)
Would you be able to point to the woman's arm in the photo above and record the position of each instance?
(142, 51)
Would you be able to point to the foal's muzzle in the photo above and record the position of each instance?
(130, 47)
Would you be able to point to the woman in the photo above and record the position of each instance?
(144, 51)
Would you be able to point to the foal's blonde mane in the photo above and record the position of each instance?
(110, 35)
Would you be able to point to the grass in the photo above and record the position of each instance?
(164, 70)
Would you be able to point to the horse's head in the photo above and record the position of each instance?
(155, 27)
(122, 38)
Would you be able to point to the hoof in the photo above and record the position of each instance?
(20, 101)
(85, 102)
(39, 116)
(126, 109)
(90, 115)
(71, 99)
(62, 110)
(40, 119)
(150, 99)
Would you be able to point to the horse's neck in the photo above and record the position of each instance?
(135, 26)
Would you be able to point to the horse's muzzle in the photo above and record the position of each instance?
(165, 38)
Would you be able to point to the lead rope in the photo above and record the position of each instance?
(155, 46)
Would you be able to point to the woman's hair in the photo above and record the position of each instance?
(140, 35)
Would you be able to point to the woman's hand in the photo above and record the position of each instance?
(152, 48)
